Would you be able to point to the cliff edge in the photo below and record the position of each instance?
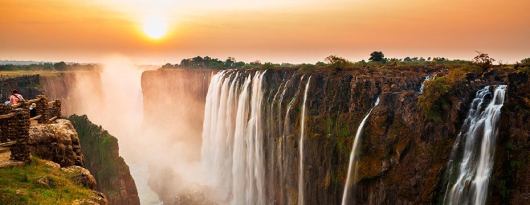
(102, 158)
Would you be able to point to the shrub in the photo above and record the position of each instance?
(377, 56)
(483, 60)
(434, 100)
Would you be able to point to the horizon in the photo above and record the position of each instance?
(297, 31)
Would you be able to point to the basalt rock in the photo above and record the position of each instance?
(102, 158)
(403, 153)
(57, 142)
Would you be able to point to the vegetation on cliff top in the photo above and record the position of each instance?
(24, 185)
(376, 61)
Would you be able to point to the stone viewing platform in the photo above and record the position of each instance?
(15, 122)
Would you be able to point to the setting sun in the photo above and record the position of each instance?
(155, 28)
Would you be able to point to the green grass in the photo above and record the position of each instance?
(18, 185)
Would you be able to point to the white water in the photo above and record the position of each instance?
(353, 157)
(232, 153)
(427, 78)
(472, 158)
(301, 150)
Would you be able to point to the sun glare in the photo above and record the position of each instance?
(155, 28)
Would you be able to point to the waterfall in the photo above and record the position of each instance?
(232, 151)
(301, 149)
(353, 156)
(471, 162)
(427, 78)
(248, 136)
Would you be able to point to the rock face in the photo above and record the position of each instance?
(102, 158)
(165, 92)
(403, 152)
(511, 176)
(57, 142)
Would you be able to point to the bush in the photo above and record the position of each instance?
(434, 100)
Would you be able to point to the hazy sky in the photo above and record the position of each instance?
(272, 30)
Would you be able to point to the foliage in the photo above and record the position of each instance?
(483, 60)
(60, 66)
(336, 62)
(525, 62)
(101, 155)
(434, 99)
(18, 185)
(208, 62)
(523, 66)
(377, 56)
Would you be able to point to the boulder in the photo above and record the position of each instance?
(57, 142)
(81, 176)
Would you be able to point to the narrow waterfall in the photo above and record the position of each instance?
(353, 164)
(301, 149)
(471, 163)
(427, 78)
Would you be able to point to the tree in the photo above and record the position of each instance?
(167, 65)
(60, 66)
(377, 56)
(483, 60)
(525, 62)
(335, 60)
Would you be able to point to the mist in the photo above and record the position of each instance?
(157, 119)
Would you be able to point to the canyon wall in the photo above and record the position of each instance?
(174, 110)
(81, 92)
(102, 158)
(403, 153)
(404, 149)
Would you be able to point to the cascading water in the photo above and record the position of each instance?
(427, 78)
(301, 149)
(232, 153)
(353, 164)
(247, 134)
(471, 163)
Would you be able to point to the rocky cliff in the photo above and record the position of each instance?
(55, 173)
(405, 146)
(102, 158)
(56, 142)
(176, 96)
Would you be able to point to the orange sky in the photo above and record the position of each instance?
(273, 30)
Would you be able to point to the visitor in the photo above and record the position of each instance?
(32, 110)
(15, 98)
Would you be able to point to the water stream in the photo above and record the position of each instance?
(471, 163)
(352, 165)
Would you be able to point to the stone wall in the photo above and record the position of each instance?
(15, 123)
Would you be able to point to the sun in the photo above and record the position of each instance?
(155, 28)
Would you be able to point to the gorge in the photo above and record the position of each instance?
(289, 136)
